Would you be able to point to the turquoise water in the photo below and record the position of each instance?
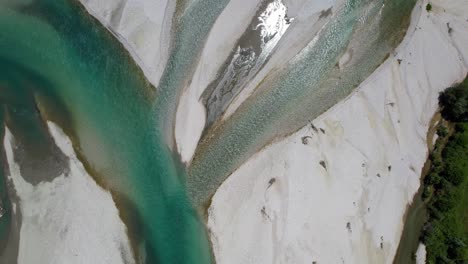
(57, 62)
(191, 28)
(304, 88)
(80, 77)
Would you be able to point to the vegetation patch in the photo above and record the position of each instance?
(428, 7)
(445, 233)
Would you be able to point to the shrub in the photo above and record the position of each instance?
(442, 131)
(432, 179)
(454, 103)
(437, 163)
(428, 7)
(426, 192)
(445, 203)
(461, 127)
(435, 241)
(456, 248)
(454, 173)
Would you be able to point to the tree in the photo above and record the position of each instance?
(442, 131)
(447, 200)
(432, 178)
(456, 248)
(454, 172)
(454, 103)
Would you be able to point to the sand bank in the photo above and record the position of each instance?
(70, 219)
(336, 191)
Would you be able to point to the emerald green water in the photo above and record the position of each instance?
(54, 56)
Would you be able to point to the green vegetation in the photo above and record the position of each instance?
(445, 233)
(428, 7)
(454, 103)
(442, 131)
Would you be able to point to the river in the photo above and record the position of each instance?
(59, 63)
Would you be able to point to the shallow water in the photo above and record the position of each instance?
(307, 86)
(65, 66)
(58, 63)
(4, 201)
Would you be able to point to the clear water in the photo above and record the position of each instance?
(306, 87)
(194, 20)
(55, 58)
(79, 76)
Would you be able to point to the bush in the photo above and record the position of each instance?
(432, 179)
(446, 201)
(426, 192)
(456, 248)
(434, 239)
(455, 156)
(442, 131)
(454, 172)
(454, 103)
(428, 7)
(437, 164)
(461, 127)
(460, 140)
